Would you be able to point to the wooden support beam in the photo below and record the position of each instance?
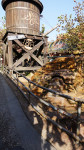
(45, 47)
(38, 54)
(10, 54)
(37, 60)
(28, 53)
(4, 53)
(27, 68)
(37, 46)
(21, 45)
(45, 34)
(34, 37)
(18, 62)
(25, 56)
(15, 37)
(6, 58)
(33, 49)
(37, 37)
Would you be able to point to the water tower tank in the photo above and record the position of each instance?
(23, 16)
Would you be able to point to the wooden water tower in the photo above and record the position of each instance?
(25, 46)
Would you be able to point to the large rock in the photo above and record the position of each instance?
(24, 81)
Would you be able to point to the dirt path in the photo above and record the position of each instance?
(16, 132)
(59, 139)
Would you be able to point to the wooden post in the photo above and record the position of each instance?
(35, 52)
(78, 117)
(10, 54)
(17, 77)
(4, 53)
(45, 50)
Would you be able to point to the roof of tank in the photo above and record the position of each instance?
(37, 2)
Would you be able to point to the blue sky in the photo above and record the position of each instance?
(52, 9)
(2, 12)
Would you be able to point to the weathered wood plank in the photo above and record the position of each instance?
(27, 68)
(4, 52)
(15, 37)
(35, 58)
(33, 49)
(10, 54)
(18, 62)
(25, 56)
(37, 46)
(6, 57)
(20, 44)
(38, 37)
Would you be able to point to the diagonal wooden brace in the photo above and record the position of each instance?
(33, 49)
(28, 53)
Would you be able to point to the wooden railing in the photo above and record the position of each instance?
(77, 119)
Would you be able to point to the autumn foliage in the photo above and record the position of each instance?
(74, 27)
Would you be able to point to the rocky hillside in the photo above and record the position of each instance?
(65, 75)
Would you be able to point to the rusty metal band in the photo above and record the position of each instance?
(21, 28)
(25, 8)
(6, 2)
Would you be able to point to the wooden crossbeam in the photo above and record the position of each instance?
(15, 37)
(18, 62)
(38, 53)
(27, 68)
(28, 53)
(21, 45)
(37, 46)
(26, 49)
(25, 56)
(35, 58)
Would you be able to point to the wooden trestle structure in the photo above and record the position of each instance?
(24, 52)
(23, 43)
(25, 48)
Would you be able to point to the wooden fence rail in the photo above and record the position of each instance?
(79, 101)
